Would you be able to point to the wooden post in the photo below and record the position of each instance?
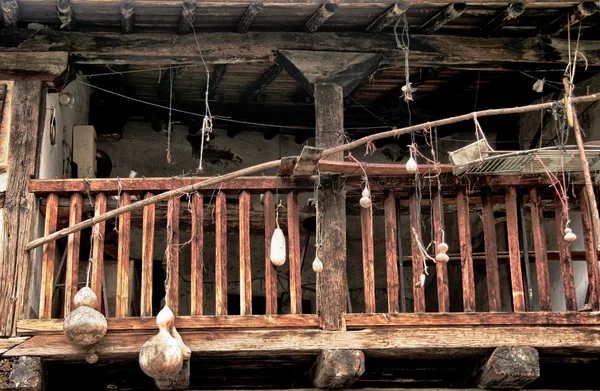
(98, 250)
(368, 258)
(539, 245)
(417, 257)
(441, 268)
(466, 258)
(512, 228)
(491, 251)
(391, 252)
(123, 261)
(591, 255)
(147, 257)
(294, 253)
(197, 284)
(48, 259)
(331, 210)
(221, 254)
(270, 271)
(173, 254)
(564, 252)
(245, 262)
(73, 246)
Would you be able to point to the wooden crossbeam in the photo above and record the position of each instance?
(188, 16)
(45, 66)
(127, 11)
(215, 79)
(513, 11)
(321, 15)
(10, 12)
(448, 14)
(387, 18)
(246, 21)
(576, 15)
(256, 87)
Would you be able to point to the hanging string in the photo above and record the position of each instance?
(403, 43)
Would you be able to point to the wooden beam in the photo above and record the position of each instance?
(187, 18)
(564, 254)
(307, 162)
(197, 258)
(448, 14)
(256, 87)
(270, 271)
(221, 254)
(295, 263)
(126, 11)
(48, 259)
(466, 251)
(321, 15)
(65, 14)
(73, 249)
(149, 215)
(123, 270)
(441, 268)
(576, 15)
(509, 368)
(10, 12)
(491, 251)
(46, 66)
(513, 11)
(541, 250)
(368, 258)
(97, 267)
(336, 368)
(217, 76)
(246, 21)
(416, 255)
(391, 252)
(221, 48)
(245, 260)
(387, 18)
(591, 255)
(512, 228)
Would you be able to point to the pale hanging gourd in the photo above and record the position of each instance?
(85, 325)
(317, 265)
(569, 235)
(162, 355)
(365, 200)
(278, 247)
(411, 164)
(441, 256)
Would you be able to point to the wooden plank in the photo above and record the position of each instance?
(73, 248)
(466, 256)
(8, 343)
(577, 14)
(564, 254)
(49, 254)
(448, 14)
(245, 261)
(123, 259)
(221, 254)
(391, 252)
(294, 253)
(441, 268)
(491, 251)
(590, 251)
(20, 208)
(387, 18)
(307, 162)
(375, 168)
(246, 21)
(511, 12)
(539, 245)
(98, 250)
(172, 256)
(270, 271)
(45, 66)
(512, 228)
(417, 257)
(321, 15)
(197, 248)
(368, 258)
(147, 257)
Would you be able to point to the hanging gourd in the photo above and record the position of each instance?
(278, 247)
(365, 200)
(162, 355)
(441, 256)
(85, 325)
(569, 235)
(411, 164)
(317, 265)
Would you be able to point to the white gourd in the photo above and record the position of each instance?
(411, 165)
(365, 200)
(569, 235)
(162, 355)
(317, 265)
(278, 248)
(442, 247)
(442, 257)
(85, 325)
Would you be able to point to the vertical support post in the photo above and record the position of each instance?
(591, 255)
(539, 246)
(564, 252)
(491, 251)
(147, 256)
(294, 253)
(73, 246)
(173, 254)
(391, 252)
(368, 258)
(245, 263)
(332, 283)
(441, 268)
(270, 272)
(466, 258)
(512, 228)
(123, 259)
(48, 258)
(98, 249)
(417, 257)
(221, 254)
(197, 249)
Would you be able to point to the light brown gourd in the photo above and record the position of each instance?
(85, 325)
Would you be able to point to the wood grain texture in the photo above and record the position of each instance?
(98, 249)
(391, 252)
(245, 261)
(491, 251)
(294, 253)
(197, 248)
(172, 255)
(48, 258)
(246, 21)
(512, 228)
(441, 268)
(321, 15)
(73, 247)
(221, 254)
(270, 271)
(368, 258)
(508, 368)
(124, 249)
(590, 250)
(564, 254)
(540, 248)
(337, 368)
(466, 252)
(417, 257)
(147, 257)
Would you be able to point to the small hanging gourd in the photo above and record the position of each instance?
(411, 164)
(365, 200)
(278, 247)
(441, 256)
(162, 355)
(569, 235)
(317, 265)
(85, 325)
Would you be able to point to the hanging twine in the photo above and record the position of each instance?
(403, 43)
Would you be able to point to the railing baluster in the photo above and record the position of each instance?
(73, 246)
(539, 246)
(512, 228)
(564, 253)
(368, 256)
(173, 254)
(417, 257)
(98, 250)
(197, 284)
(48, 258)
(591, 255)
(491, 251)
(466, 258)
(123, 259)
(441, 268)
(294, 246)
(270, 272)
(221, 254)
(245, 261)
(147, 256)
(391, 252)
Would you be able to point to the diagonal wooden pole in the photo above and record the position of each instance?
(275, 163)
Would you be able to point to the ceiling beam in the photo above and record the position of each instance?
(321, 15)
(506, 53)
(387, 18)
(251, 12)
(65, 14)
(126, 11)
(513, 11)
(443, 17)
(188, 15)
(259, 84)
(217, 76)
(576, 15)
(10, 11)
(47, 66)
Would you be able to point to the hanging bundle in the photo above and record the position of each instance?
(162, 356)
(85, 325)
(278, 247)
